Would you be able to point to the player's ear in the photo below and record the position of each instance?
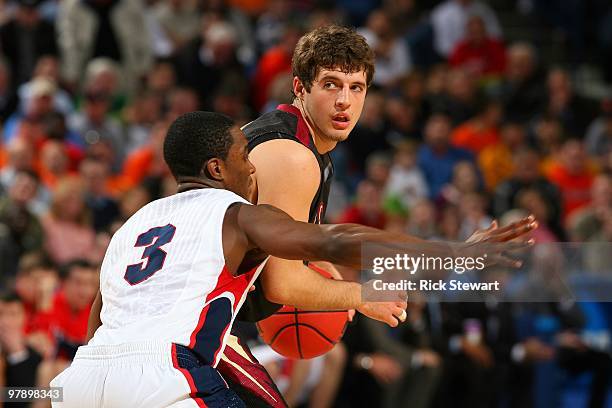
(214, 169)
(298, 87)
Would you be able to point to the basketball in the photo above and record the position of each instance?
(303, 334)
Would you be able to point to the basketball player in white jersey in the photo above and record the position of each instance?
(169, 285)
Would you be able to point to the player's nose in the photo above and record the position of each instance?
(343, 101)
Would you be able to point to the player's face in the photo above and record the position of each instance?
(334, 103)
(238, 167)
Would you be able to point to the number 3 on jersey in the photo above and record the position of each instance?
(153, 240)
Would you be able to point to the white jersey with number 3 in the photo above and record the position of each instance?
(164, 277)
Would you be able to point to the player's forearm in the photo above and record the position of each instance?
(343, 244)
(306, 289)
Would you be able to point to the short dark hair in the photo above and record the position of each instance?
(67, 268)
(195, 138)
(331, 47)
(10, 297)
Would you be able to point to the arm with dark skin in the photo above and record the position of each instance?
(277, 234)
(264, 227)
(94, 317)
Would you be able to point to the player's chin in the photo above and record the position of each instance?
(338, 135)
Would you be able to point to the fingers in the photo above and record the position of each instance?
(515, 229)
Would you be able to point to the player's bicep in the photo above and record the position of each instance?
(288, 176)
(276, 233)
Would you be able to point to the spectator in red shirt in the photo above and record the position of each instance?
(367, 209)
(71, 306)
(35, 283)
(573, 176)
(479, 53)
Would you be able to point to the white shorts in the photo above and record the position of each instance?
(147, 374)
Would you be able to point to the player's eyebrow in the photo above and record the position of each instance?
(337, 78)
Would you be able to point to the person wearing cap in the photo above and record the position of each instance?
(25, 38)
(39, 104)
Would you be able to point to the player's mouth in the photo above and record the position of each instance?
(341, 121)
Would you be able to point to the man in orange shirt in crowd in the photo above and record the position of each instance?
(496, 161)
(481, 131)
(573, 175)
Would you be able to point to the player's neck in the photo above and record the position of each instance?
(322, 143)
(192, 183)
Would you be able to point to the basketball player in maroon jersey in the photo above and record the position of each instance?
(332, 69)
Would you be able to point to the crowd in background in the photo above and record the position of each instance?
(460, 127)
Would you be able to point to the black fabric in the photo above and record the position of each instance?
(273, 125)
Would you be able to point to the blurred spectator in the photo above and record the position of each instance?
(95, 175)
(413, 90)
(472, 209)
(204, 63)
(28, 123)
(36, 282)
(94, 123)
(54, 163)
(460, 97)
(481, 131)
(522, 89)
(495, 161)
(47, 66)
(179, 20)
(422, 221)
(278, 93)
(450, 223)
(548, 136)
(392, 56)
(25, 38)
(19, 156)
(181, 101)
(449, 20)
(573, 111)
(103, 75)
(161, 78)
(273, 63)
(21, 362)
(367, 209)
(465, 180)
(526, 174)
(140, 116)
(401, 119)
(114, 29)
(437, 157)
(147, 161)
(68, 231)
(221, 10)
(478, 53)
(598, 138)
(406, 181)
(533, 202)
(71, 306)
(8, 97)
(573, 175)
(369, 133)
(587, 223)
(20, 230)
(271, 24)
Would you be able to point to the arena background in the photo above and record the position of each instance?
(479, 110)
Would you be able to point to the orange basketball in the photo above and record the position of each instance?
(296, 333)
